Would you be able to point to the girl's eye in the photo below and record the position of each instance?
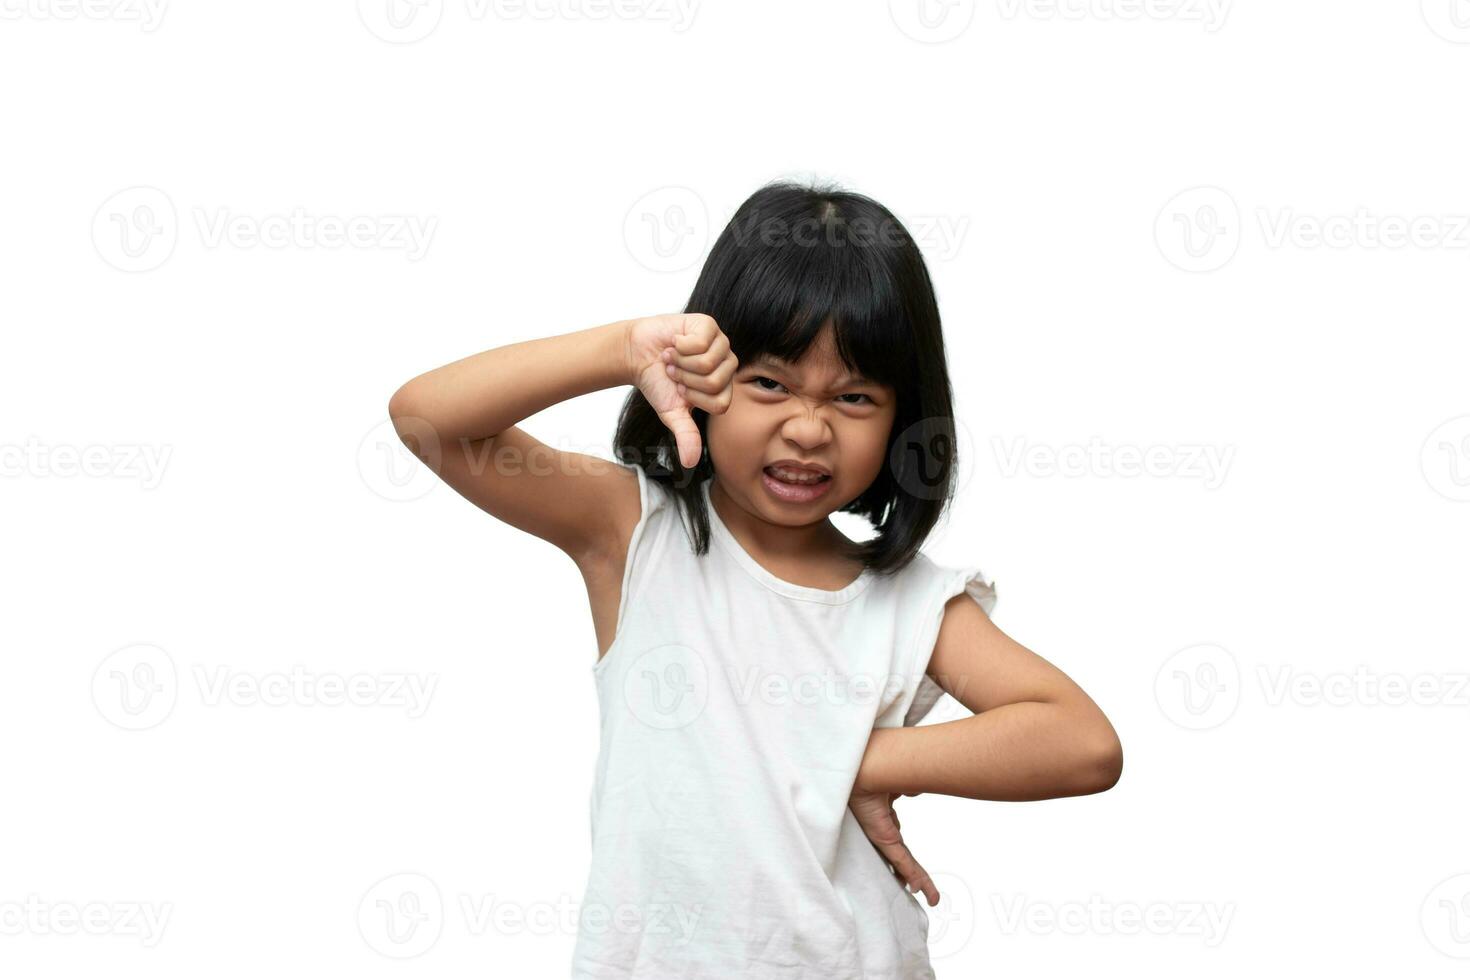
(852, 394)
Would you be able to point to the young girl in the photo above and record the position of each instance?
(760, 674)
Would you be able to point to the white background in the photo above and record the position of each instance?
(1210, 231)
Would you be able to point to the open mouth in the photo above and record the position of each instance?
(796, 477)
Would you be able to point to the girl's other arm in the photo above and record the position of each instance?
(1035, 734)
(460, 419)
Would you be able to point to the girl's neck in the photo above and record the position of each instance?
(779, 543)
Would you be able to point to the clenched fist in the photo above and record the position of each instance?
(681, 361)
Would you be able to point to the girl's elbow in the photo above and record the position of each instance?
(1103, 765)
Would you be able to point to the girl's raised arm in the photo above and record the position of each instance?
(460, 420)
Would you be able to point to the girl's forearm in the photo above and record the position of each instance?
(1030, 750)
(484, 394)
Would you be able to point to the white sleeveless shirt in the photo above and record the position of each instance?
(735, 709)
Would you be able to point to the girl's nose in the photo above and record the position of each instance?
(807, 427)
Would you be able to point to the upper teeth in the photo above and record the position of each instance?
(796, 476)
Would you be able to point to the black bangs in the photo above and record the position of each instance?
(787, 265)
(793, 259)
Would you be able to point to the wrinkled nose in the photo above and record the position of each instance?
(807, 427)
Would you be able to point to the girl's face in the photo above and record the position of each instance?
(810, 412)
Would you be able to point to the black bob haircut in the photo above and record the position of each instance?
(793, 259)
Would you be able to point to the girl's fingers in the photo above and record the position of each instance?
(686, 435)
(911, 872)
(714, 404)
(700, 356)
(712, 382)
(696, 335)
